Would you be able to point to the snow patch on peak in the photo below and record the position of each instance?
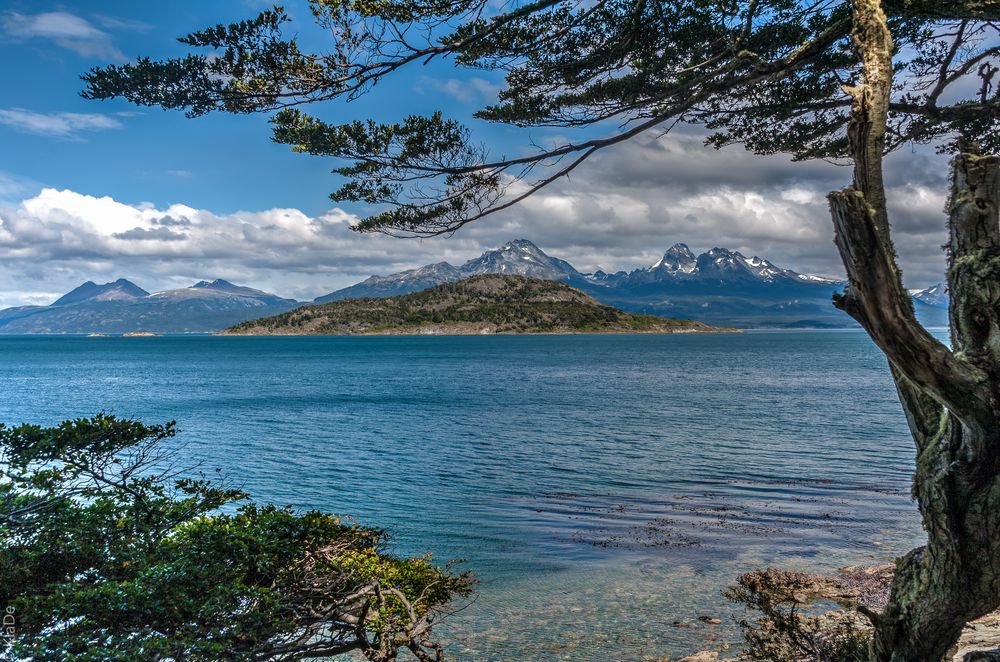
(520, 257)
(677, 259)
(818, 279)
(935, 295)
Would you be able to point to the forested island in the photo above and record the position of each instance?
(482, 305)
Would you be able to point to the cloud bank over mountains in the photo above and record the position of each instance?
(624, 210)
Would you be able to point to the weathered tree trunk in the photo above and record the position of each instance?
(956, 577)
(951, 397)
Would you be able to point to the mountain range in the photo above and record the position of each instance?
(719, 287)
(122, 307)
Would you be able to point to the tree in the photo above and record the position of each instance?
(832, 79)
(106, 553)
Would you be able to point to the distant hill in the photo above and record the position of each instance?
(123, 307)
(720, 286)
(120, 290)
(477, 305)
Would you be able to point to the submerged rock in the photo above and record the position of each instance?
(703, 656)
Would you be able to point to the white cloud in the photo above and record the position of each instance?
(626, 205)
(67, 30)
(119, 23)
(620, 212)
(474, 90)
(799, 195)
(57, 239)
(59, 125)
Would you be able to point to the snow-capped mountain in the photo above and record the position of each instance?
(517, 258)
(122, 306)
(677, 260)
(719, 264)
(931, 305)
(719, 286)
(936, 295)
(523, 258)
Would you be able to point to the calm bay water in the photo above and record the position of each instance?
(601, 487)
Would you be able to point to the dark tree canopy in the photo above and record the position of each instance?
(768, 74)
(107, 552)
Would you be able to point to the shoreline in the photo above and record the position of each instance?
(453, 334)
(855, 590)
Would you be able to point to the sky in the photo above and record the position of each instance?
(102, 190)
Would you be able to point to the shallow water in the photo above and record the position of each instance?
(601, 487)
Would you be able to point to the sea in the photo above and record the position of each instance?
(604, 489)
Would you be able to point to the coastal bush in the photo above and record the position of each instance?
(783, 629)
(108, 552)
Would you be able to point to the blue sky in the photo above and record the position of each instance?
(146, 154)
(85, 185)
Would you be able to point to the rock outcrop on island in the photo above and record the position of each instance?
(488, 304)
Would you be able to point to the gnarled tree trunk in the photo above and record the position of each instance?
(951, 397)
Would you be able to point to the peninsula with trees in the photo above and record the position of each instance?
(481, 305)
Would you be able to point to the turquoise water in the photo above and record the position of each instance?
(601, 487)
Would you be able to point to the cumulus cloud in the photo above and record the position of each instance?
(626, 205)
(59, 125)
(620, 212)
(67, 30)
(150, 234)
(58, 238)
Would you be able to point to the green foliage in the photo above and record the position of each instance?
(250, 67)
(767, 74)
(106, 553)
(508, 304)
(783, 630)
